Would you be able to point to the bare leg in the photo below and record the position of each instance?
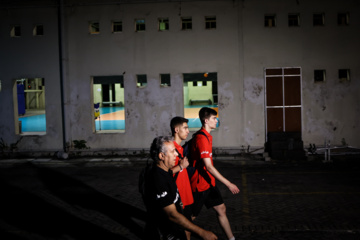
(223, 220)
(188, 235)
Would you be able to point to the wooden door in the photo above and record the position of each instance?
(283, 100)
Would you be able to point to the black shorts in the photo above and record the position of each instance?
(210, 198)
(187, 212)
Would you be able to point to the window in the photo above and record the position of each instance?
(344, 75)
(270, 20)
(94, 27)
(38, 30)
(343, 19)
(30, 108)
(210, 22)
(186, 23)
(139, 25)
(116, 26)
(197, 95)
(163, 24)
(319, 75)
(319, 19)
(294, 20)
(141, 80)
(165, 80)
(15, 31)
(109, 103)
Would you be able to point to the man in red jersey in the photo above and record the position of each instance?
(180, 131)
(203, 185)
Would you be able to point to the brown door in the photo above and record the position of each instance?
(283, 99)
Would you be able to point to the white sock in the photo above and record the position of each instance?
(233, 238)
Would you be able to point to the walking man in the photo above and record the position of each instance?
(162, 198)
(180, 131)
(205, 191)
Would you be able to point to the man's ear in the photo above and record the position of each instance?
(161, 155)
(176, 129)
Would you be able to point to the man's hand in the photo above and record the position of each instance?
(233, 188)
(207, 235)
(184, 162)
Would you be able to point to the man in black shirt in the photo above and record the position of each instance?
(162, 199)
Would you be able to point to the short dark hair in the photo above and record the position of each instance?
(206, 113)
(176, 121)
(158, 146)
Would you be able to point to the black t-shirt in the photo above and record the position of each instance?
(161, 191)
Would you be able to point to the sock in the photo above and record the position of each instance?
(233, 238)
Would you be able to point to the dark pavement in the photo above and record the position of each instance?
(99, 199)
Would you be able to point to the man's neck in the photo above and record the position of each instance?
(162, 166)
(207, 128)
(177, 139)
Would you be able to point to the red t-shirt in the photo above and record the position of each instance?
(202, 148)
(183, 182)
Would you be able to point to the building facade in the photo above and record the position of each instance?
(266, 66)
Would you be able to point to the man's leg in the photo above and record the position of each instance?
(223, 220)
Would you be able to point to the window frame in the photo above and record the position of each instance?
(318, 19)
(267, 19)
(115, 24)
(344, 74)
(210, 22)
(38, 30)
(319, 75)
(164, 21)
(343, 19)
(141, 80)
(94, 27)
(140, 25)
(186, 23)
(294, 19)
(15, 30)
(165, 80)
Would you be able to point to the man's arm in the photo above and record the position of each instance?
(182, 221)
(183, 163)
(232, 187)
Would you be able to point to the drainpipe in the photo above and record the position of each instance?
(62, 154)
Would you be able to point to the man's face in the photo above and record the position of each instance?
(182, 131)
(170, 155)
(212, 121)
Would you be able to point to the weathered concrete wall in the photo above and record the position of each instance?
(238, 51)
(149, 109)
(30, 56)
(330, 109)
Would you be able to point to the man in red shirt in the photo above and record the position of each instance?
(180, 131)
(203, 185)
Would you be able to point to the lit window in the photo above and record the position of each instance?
(165, 80)
(94, 27)
(294, 20)
(319, 75)
(116, 26)
(141, 80)
(343, 19)
(270, 20)
(200, 90)
(163, 24)
(210, 22)
(318, 19)
(344, 74)
(38, 30)
(186, 23)
(109, 105)
(139, 25)
(15, 31)
(30, 98)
